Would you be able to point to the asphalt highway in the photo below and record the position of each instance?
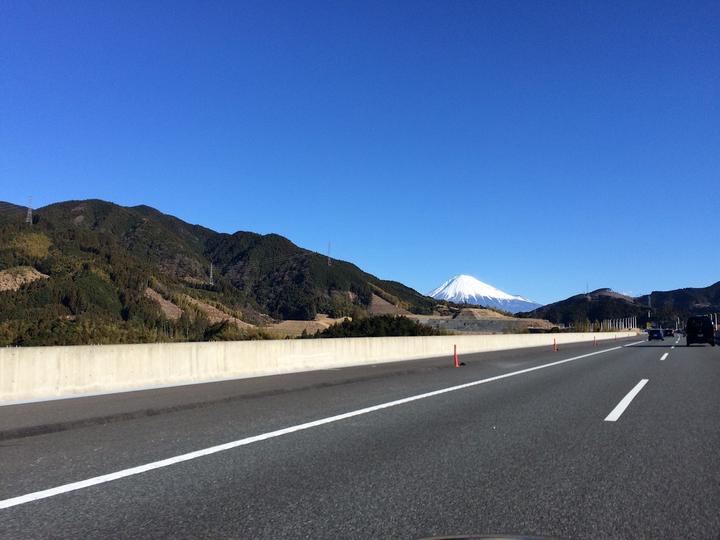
(621, 440)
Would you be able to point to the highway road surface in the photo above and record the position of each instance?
(621, 440)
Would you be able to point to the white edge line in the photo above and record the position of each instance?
(74, 486)
(624, 402)
(664, 356)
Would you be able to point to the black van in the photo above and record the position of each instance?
(700, 330)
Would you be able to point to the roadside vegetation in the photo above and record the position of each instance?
(377, 326)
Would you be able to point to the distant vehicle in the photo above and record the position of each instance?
(700, 330)
(668, 332)
(655, 333)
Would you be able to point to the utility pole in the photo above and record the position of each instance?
(29, 216)
(328, 255)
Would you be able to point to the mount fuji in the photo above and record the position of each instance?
(464, 289)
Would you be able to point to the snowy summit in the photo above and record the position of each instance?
(464, 289)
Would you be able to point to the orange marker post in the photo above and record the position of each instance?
(455, 355)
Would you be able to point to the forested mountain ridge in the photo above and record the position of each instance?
(100, 259)
(658, 307)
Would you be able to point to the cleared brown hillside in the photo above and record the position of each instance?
(479, 313)
(378, 306)
(170, 310)
(296, 328)
(216, 315)
(14, 278)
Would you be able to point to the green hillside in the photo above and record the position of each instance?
(582, 308)
(663, 308)
(684, 302)
(100, 258)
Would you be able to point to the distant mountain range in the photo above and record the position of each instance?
(658, 306)
(464, 289)
(688, 301)
(95, 272)
(91, 262)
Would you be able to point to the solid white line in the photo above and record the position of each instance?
(23, 499)
(664, 356)
(624, 402)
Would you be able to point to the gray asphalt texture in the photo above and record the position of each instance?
(528, 454)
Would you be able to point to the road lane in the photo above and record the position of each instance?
(197, 454)
(529, 454)
(667, 440)
(96, 450)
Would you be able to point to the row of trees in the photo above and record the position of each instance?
(377, 326)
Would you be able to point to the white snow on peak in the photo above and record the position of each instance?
(464, 289)
(464, 286)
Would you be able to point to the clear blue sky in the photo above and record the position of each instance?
(536, 145)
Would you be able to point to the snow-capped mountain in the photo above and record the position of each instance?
(464, 289)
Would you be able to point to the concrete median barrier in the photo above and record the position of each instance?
(35, 373)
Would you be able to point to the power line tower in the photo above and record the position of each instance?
(29, 216)
(211, 274)
(328, 255)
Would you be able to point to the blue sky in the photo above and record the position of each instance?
(539, 146)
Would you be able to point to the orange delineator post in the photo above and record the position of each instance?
(457, 362)
(555, 345)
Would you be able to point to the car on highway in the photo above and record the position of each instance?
(669, 332)
(655, 333)
(699, 330)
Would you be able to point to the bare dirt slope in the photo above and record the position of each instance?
(482, 321)
(216, 315)
(480, 313)
(170, 310)
(378, 306)
(14, 278)
(295, 328)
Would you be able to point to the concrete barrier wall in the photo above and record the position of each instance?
(28, 373)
